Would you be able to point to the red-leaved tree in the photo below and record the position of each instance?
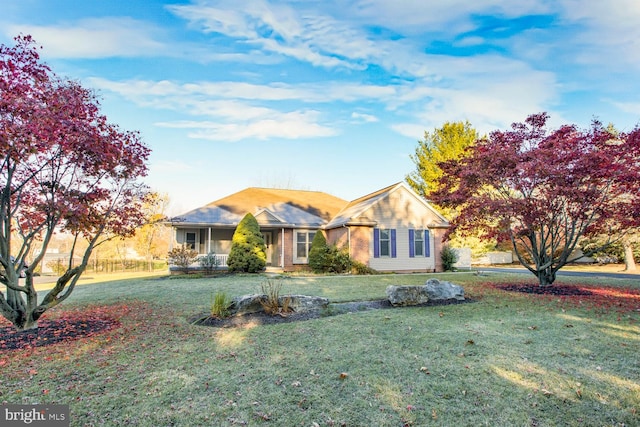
(543, 190)
(63, 168)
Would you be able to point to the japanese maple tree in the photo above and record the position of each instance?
(63, 168)
(545, 189)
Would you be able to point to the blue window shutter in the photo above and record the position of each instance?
(376, 243)
(393, 243)
(412, 249)
(427, 246)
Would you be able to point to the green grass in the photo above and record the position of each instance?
(504, 360)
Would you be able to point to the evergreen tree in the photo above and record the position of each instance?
(248, 251)
(318, 254)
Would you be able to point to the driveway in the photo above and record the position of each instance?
(569, 273)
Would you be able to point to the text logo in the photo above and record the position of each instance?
(34, 415)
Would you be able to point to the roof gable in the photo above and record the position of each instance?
(362, 210)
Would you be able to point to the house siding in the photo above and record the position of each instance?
(414, 216)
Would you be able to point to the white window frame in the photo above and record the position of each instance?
(309, 235)
(418, 244)
(387, 241)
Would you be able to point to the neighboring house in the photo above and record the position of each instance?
(392, 229)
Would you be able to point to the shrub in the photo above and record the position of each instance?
(318, 254)
(327, 259)
(360, 268)
(448, 257)
(339, 260)
(220, 305)
(248, 251)
(182, 256)
(209, 262)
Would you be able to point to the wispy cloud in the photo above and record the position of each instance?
(294, 125)
(93, 38)
(363, 118)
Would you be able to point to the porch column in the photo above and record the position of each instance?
(282, 249)
(209, 242)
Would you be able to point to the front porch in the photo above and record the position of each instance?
(287, 249)
(217, 241)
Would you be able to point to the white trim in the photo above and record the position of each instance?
(306, 232)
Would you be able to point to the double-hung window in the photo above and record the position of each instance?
(419, 243)
(303, 240)
(384, 243)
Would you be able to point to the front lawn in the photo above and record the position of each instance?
(505, 359)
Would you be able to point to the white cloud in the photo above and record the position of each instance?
(92, 38)
(610, 34)
(410, 130)
(628, 107)
(293, 125)
(150, 93)
(363, 118)
(316, 38)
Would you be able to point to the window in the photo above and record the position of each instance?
(384, 243)
(303, 240)
(419, 243)
(190, 240)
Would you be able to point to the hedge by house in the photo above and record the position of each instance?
(324, 258)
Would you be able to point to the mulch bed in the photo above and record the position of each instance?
(54, 331)
(604, 298)
(334, 309)
(565, 290)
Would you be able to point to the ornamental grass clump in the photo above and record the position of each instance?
(220, 305)
(271, 304)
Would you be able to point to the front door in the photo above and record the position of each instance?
(268, 242)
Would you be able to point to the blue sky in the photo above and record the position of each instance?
(330, 95)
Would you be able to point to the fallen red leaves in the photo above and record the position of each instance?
(621, 299)
(68, 326)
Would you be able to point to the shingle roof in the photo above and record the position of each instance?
(293, 206)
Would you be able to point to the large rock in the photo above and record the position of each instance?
(248, 304)
(407, 295)
(439, 291)
(433, 290)
(303, 303)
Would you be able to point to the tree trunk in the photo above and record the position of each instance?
(546, 277)
(26, 324)
(629, 262)
(24, 314)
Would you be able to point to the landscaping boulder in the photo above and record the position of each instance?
(442, 291)
(303, 303)
(407, 295)
(248, 304)
(433, 290)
